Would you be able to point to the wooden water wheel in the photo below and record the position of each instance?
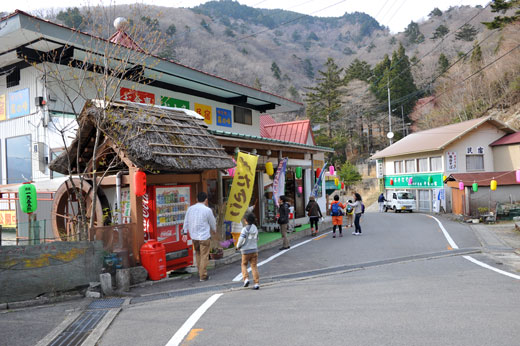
(66, 211)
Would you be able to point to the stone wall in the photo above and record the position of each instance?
(27, 272)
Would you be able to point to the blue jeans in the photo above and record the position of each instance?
(356, 223)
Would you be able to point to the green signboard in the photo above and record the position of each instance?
(171, 102)
(419, 181)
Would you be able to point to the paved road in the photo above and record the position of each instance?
(401, 283)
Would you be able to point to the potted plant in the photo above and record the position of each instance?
(216, 253)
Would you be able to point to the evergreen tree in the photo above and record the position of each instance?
(466, 33)
(71, 18)
(276, 71)
(435, 12)
(380, 72)
(358, 70)
(323, 102)
(476, 56)
(413, 33)
(502, 6)
(171, 30)
(349, 173)
(308, 69)
(441, 31)
(442, 64)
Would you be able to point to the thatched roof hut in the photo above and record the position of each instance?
(153, 138)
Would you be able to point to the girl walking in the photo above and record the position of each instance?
(358, 210)
(314, 212)
(248, 246)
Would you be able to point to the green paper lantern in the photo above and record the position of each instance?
(430, 179)
(298, 172)
(27, 197)
(475, 187)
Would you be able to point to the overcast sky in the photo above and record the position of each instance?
(395, 14)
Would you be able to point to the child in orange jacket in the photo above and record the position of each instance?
(337, 216)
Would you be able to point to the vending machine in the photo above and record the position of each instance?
(164, 208)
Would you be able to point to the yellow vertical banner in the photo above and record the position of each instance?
(2, 107)
(205, 111)
(242, 187)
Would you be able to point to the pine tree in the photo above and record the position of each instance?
(358, 70)
(276, 71)
(323, 101)
(441, 31)
(380, 78)
(442, 64)
(413, 33)
(466, 33)
(476, 57)
(435, 12)
(502, 6)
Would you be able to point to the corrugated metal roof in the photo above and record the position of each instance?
(265, 119)
(437, 138)
(293, 131)
(513, 138)
(484, 178)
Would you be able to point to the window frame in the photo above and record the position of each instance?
(418, 167)
(412, 165)
(244, 114)
(7, 178)
(400, 164)
(57, 152)
(475, 169)
(440, 164)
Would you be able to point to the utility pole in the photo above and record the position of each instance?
(390, 134)
(402, 119)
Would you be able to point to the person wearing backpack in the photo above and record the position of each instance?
(350, 214)
(283, 220)
(314, 212)
(359, 208)
(337, 216)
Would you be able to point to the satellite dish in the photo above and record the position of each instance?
(390, 135)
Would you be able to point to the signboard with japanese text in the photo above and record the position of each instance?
(379, 169)
(205, 111)
(2, 108)
(423, 181)
(137, 96)
(176, 103)
(477, 150)
(279, 180)
(223, 117)
(242, 187)
(451, 161)
(8, 218)
(19, 104)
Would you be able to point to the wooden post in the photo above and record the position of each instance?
(136, 215)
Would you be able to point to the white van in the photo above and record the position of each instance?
(401, 201)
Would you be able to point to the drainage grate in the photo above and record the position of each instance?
(109, 303)
(80, 329)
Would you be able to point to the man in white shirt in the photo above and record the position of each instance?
(199, 222)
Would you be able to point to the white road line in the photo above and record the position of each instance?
(239, 276)
(487, 266)
(471, 259)
(190, 322)
(446, 234)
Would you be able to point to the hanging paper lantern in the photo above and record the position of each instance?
(430, 179)
(493, 185)
(342, 185)
(336, 181)
(443, 178)
(391, 181)
(461, 185)
(269, 168)
(231, 172)
(410, 181)
(518, 175)
(140, 183)
(300, 189)
(475, 187)
(298, 172)
(318, 172)
(27, 197)
(331, 170)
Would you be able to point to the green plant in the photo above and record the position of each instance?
(482, 210)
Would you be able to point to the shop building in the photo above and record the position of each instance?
(421, 161)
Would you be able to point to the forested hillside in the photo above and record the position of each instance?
(341, 67)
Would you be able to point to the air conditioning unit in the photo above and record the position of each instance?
(39, 151)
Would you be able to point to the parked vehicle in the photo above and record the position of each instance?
(400, 201)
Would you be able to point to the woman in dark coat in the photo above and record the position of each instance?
(314, 213)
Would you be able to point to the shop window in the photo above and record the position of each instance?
(398, 167)
(436, 164)
(422, 165)
(242, 115)
(410, 166)
(474, 163)
(18, 158)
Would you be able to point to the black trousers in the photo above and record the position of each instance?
(314, 222)
(356, 222)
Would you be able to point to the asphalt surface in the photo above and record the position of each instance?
(400, 283)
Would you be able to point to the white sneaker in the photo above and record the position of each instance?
(256, 287)
(246, 282)
(354, 233)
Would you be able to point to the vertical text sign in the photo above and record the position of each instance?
(242, 187)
